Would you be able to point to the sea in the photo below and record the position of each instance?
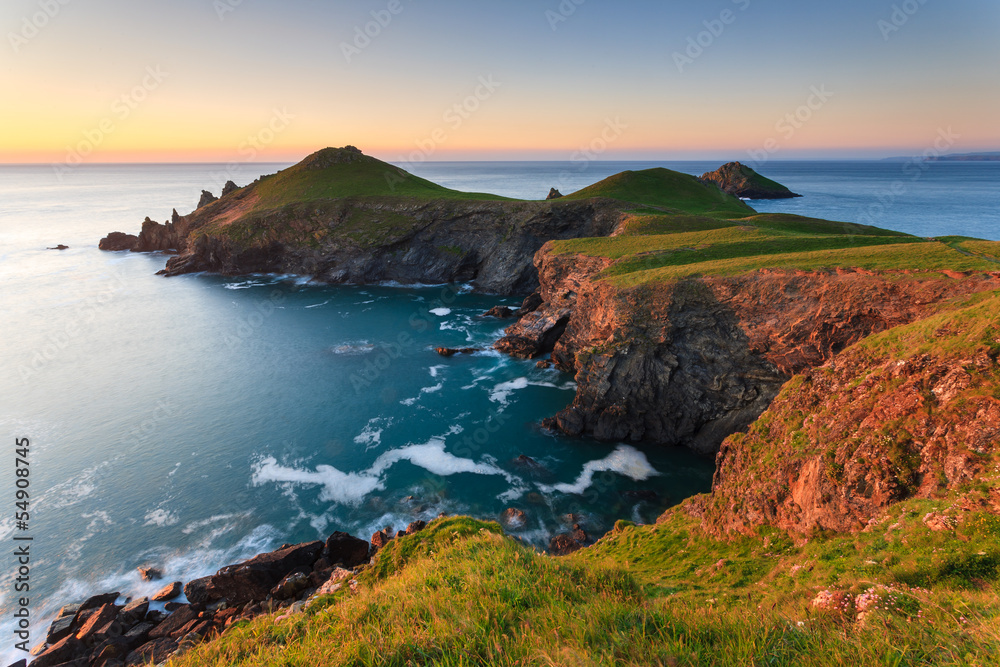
(189, 423)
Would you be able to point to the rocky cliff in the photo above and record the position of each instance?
(691, 361)
(912, 412)
(343, 217)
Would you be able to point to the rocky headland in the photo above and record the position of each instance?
(742, 181)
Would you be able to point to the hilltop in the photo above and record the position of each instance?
(742, 181)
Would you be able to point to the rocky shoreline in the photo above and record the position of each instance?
(109, 630)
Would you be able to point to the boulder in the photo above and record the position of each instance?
(101, 625)
(149, 573)
(91, 604)
(380, 539)
(153, 652)
(168, 592)
(62, 626)
(118, 241)
(451, 352)
(347, 550)
(254, 579)
(291, 585)
(513, 519)
(59, 247)
(133, 612)
(415, 527)
(499, 312)
(67, 649)
(199, 591)
(139, 633)
(174, 622)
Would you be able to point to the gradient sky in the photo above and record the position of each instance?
(276, 71)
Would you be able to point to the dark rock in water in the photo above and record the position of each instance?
(544, 363)
(499, 312)
(254, 579)
(554, 194)
(742, 181)
(168, 592)
(644, 495)
(59, 247)
(199, 591)
(564, 544)
(536, 333)
(118, 241)
(415, 527)
(347, 550)
(206, 198)
(513, 519)
(149, 573)
(156, 237)
(451, 352)
(229, 187)
(154, 652)
(20, 663)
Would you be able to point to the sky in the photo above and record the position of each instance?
(408, 80)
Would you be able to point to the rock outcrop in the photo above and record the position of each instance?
(118, 241)
(373, 238)
(741, 181)
(693, 361)
(554, 194)
(206, 199)
(912, 413)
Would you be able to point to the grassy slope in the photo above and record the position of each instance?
(462, 594)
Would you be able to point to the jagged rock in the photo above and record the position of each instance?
(67, 649)
(254, 579)
(415, 527)
(157, 237)
(742, 181)
(139, 633)
(62, 626)
(513, 519)
(149, 573)
(499, 312)
(346, 550)
(554, 194)
(229, 187)
(535, 334)
(173, 606)
(168, 592)
(134, 612)
(530, 304)
(118, 241)
(564, 544)
(544, 363)
(100, 625)
(154, 652)
(206, 198)
(335, 581)
(291, 585)
(199, 591)
(381, 538)
(451, 352)
(174, 622)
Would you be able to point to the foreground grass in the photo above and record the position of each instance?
(463, 594)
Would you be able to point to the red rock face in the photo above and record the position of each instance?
(845, 441)
(692, 362)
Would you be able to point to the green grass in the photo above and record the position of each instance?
(645, 595)
(666, 189)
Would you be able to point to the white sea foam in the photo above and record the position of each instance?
(625, 460)
(197, 525)
(161, 518)
(441, 312)
(318, 305)
(359, 347)
(426, 390)
(339, 487)
(371, 435)
(501, 392)
(434, 370)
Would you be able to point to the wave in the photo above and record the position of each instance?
(625, 460)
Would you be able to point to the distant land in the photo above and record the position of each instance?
(963, 157)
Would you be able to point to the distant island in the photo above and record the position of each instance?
(957, 157)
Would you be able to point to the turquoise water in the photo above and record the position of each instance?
(194, 421)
